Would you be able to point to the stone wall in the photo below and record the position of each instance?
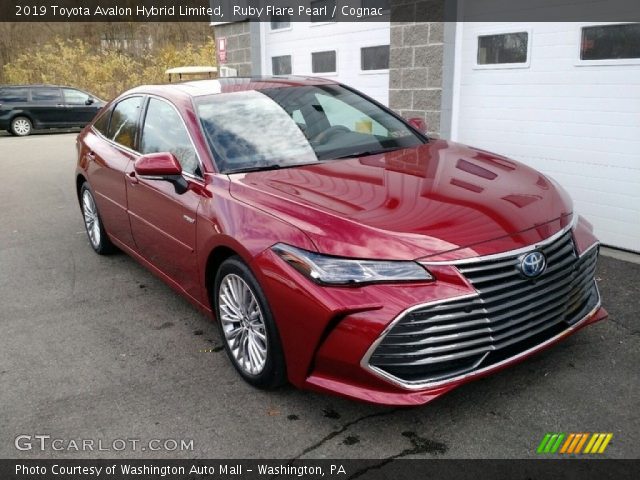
(416, 71)
(238, 37)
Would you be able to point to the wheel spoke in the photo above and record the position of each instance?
(91, 219)
(243, 324)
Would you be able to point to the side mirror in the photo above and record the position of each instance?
(419, 124)
(89, 101)
(161, 166)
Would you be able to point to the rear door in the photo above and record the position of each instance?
(47, 106)
(111, 150)
(163, 222)
(13, 100)
(79, 107)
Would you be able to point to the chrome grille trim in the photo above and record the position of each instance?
(491, 325)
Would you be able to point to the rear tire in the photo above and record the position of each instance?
(246, 325)
(98, 238)
(21, 126)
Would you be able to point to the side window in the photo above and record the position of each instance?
(14, 95)
(124, 122)
(102, 122)
(74, 97)
(46, 94)
(164, 131)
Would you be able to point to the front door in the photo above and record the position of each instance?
(163, 222)
(109, 161)
(79, 107)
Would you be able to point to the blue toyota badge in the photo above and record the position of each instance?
(533, 264)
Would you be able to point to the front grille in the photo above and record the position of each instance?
(509, 315)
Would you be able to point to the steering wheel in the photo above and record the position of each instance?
(329, 132)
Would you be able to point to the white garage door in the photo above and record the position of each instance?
(563, 98)
(354, 53)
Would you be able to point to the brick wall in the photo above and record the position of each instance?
(415, 71)
(238, 37)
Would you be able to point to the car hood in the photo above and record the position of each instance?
(440, 200)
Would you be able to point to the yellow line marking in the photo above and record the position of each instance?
(594, 437)
(605, 443)
(596, 445)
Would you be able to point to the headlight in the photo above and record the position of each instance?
(344, 271)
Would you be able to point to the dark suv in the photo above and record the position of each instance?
(25, 107)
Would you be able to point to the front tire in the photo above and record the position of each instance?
(92, 222)
(247, 327)
(21, 126)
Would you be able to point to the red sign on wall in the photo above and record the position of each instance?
(222, 50)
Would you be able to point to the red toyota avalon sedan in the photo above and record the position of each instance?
(338, 247)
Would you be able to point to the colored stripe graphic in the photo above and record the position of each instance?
(543, 443)
(607, 439)
(581, 443)
(572, 443)
(554, 449)
(567, 443)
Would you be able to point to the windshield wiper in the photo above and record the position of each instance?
(257, 168)
(366, 153)
(266, 167)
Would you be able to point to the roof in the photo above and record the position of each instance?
(38, 85)
(198, 88)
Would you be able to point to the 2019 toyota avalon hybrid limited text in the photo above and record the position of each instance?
(339, 247)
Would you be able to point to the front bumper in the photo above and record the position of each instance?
(345, 340)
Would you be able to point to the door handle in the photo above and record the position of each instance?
(131, 176)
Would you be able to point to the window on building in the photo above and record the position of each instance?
(381, 4)
(281, 65)
(503, 48)
(124, 122)
(164, 131)
(374, 58)
(278, 22)
(326, 9)
(323, 62)
(610, 42)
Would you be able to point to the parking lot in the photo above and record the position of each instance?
(98, 348)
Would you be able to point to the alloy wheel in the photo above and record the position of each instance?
(91, 219)
(243, 324)
(21, 126)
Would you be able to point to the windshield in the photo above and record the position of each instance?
(289, 126)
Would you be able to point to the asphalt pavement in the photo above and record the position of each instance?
(97, 348)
